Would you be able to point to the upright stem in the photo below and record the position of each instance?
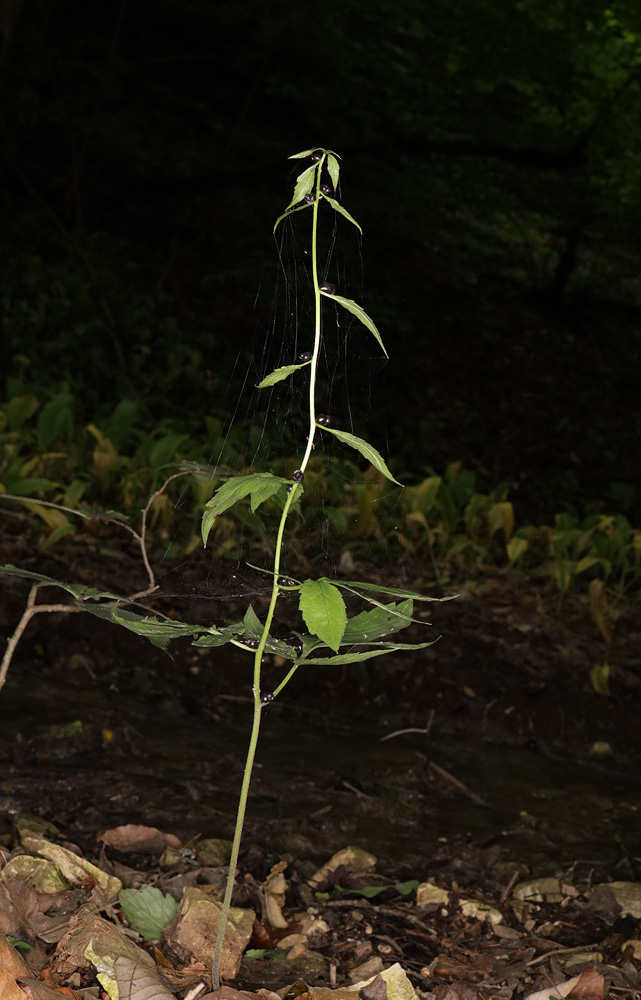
(258, 704)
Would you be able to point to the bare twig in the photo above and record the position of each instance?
(30, 610)
(142, 537)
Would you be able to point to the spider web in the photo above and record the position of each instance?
(273, 423)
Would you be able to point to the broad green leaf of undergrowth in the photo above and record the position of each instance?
(323, 610)
(367, 450)
(29, 485)
(260, 486)
(148, 910)
(359, 312)
(343, 211)
(279, 374)
(304, 184)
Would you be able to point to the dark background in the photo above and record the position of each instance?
(491, 154)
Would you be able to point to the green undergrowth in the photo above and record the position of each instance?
(114, 464)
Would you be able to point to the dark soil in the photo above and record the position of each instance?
(502, 763)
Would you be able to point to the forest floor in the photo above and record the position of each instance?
(478, 765)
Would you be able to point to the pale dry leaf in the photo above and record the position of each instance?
(142, 839)
(139, 982)
(9, 989)
(35, 990)
(591, 986)
(560, 990)
(275, 889)
(11, 960)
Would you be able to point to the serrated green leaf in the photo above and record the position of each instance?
(290, 211)
(148, 910)
(279, 374)
(377, 623)
(159, 631)
(304, 184)
(343, 211)
(360, 314)
(367, 450)
(334, 168)
(260, 486)
(219, 636)
(206, 525)
(306, 152)
(323, 610)
(252, 622)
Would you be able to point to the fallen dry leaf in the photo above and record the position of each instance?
(275, 889)
(35, 990)
(191, 935)
(9, 989)
(567, 988)
(348, 857)
(141, 839)
(139, 982)
(11, 961)
(591, 986)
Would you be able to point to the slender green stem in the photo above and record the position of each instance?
(288, 677)
(258, 704)
(317, 325)
(238, 832)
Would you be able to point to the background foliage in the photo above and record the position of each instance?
(492, 155)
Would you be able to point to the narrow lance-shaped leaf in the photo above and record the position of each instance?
(334, 168)
(290, 211)
(306, 152)
(215, 639)
(323, 610)
(279, 374)
(356, 586)
(78, 590)
(399, 613)
(368, 654)
(367, 450)
(360, 314)
(343, 211)
(304, 184)
(292, 585)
